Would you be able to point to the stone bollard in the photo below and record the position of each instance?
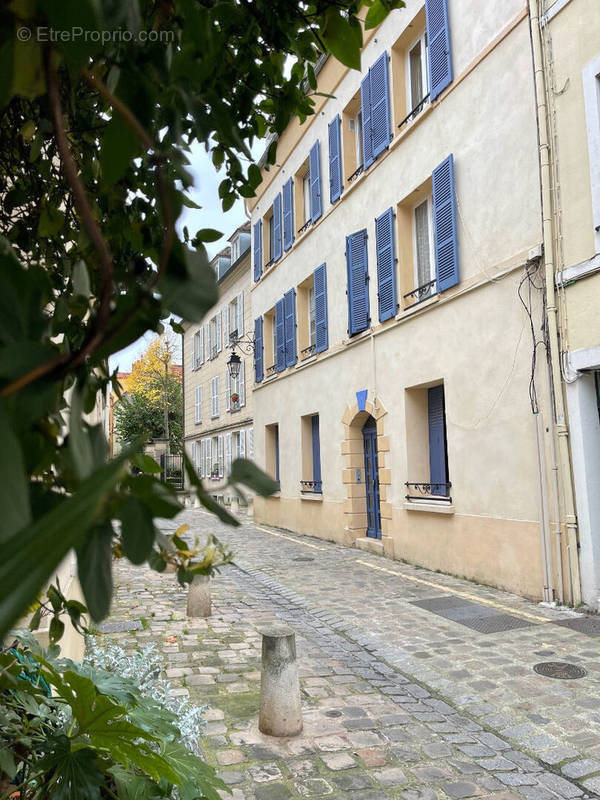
(198, 599)
(280, 710)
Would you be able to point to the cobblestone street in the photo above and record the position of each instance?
(399, 700)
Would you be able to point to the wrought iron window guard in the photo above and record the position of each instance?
(426, 490)
(306, 226)
(358, 171)
(311, 487)
(214, 352)
(422, 292)
(272, 368)
(416, 110)
(308, 351)
(269, 263)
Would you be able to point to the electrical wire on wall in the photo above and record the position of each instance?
(527, 285)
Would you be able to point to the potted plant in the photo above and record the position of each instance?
(235, 398)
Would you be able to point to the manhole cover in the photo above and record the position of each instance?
(559, 669)
(303, 558)
(333, 713)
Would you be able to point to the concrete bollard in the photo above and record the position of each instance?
(280, 710)
(198, 599)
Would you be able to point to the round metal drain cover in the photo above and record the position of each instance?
(560, 669)
(303, 558)
(333, 713)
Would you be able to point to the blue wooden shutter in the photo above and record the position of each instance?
(380, 105)
(258, 350)
(316, 454)
(314, 163)
(438, 46)
(438, 473)
(289, 306)
(277, 227)
(365, 108)
(257, 249)
(335, 160)
(288, 214)
(279, 336)
(386, 265)
(358, 282)
(321, 331)
(444, 225)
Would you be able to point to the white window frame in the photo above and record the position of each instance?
(358, 142)
(432, 275)
(214, 396)
(208, 457)
(312, 326)
(306, 196)
(235, 249)
(198, 405)
(271, 229)
(422, 39)
(232, 316)
(591, 96)
(251, 443)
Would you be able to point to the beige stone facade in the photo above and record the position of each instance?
(218, 426)
(570, 51)
(495, 517)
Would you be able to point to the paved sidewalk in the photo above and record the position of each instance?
(398, 701)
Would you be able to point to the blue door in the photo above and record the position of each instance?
(372, 479)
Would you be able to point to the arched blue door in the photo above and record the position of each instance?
(369, 432)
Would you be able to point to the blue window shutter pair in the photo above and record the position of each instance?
(335, 159)
(321, 329)
(438, 470)
(280, 336)
(358, 282)
(316, 454)
(289, 308)
(258, 350)
(375, 109)
(277, 227)
(288, 214)
(257, 252)
(444, 225)
(438, 46)
(386, 265)
(314, 163)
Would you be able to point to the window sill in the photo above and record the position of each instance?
(313, 497)
(418, 306)
(197, 422)
(434, 507)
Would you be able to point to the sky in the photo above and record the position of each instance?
(205, 194)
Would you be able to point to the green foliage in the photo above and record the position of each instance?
(139, 417)
(95, 137)
(97, 736)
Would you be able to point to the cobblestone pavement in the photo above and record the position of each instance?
(397, 700)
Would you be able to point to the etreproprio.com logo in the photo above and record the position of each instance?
(79, 34)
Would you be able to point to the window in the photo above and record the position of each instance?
(358, 139)
(359, 317)
(235, 312)
(311, 317)
(375, 107)
(250, 443)
(423, 248)
(235, 389)
(272, 450)
(427, 237)
(216, 449)
(268, 244)
(257, 249)
(426, 439)
(591, 94)
(198, 405)
(198, 349)
(417, 75)
(213, 336)
(271, 238)
(311, 455)
(306, 196)
(214, 394)
(235, 249)
(207, 457)
(352, 135)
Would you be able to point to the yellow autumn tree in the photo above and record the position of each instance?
(154, 369)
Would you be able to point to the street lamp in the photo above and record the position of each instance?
(233, 365)
(244, 344)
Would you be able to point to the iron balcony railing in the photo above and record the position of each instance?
(421, 293)
(429, 491)
(271, 369)
(308, 351)
(269, 263)
(306, 226)
(358, 171)
(311, 487)
(415, 111)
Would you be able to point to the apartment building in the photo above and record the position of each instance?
(217, 409)
(397, 297)
(570, 54)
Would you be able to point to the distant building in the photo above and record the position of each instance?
(218, 423)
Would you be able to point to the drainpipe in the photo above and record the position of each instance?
(560, 457)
